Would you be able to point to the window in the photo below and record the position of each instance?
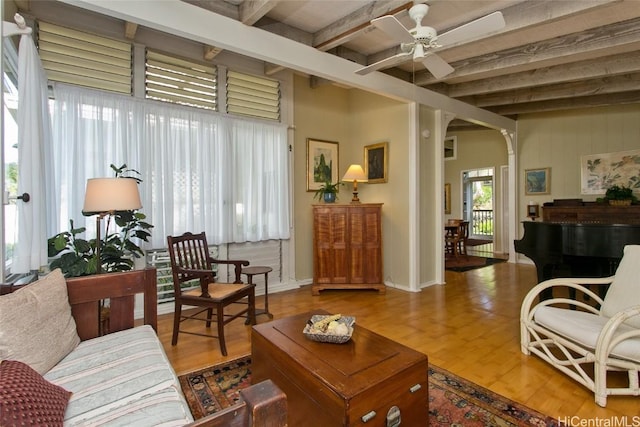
(84, 59)
(180, 81)
(253, 96)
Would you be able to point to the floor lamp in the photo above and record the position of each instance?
(103, 197)
(355, 174)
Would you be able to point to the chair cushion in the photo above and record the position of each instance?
(27, 399)
(121, 379)
(36, 326)
(584, 328)
(624, 292)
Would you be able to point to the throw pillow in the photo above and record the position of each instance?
(624, 288)
(27, 399)
(36, 326)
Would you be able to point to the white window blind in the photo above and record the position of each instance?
(85, 59)
(253, 96)
(179, 81)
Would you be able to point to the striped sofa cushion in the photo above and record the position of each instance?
(122, 379)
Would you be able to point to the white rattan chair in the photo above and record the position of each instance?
(588, 337)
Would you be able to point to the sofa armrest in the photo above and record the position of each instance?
(86, 292)
(263, 404)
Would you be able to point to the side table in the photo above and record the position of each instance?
(252, 271)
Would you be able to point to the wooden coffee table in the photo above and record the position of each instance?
(362, 382)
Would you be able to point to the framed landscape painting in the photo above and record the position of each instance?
(322, 163)
(537, 181)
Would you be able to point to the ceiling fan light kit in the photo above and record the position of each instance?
(420, 42)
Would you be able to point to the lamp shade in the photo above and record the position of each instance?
(111, 194)
(355, 173)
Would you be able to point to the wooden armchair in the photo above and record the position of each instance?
(190, 261)
(589, 341)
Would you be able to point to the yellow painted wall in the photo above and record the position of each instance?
(558, 140)
(321, 113)
(353, 118)
(377, 119)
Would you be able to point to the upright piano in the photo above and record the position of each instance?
(579, 239)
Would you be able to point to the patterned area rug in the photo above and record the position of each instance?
(453, 401)
(470, 262)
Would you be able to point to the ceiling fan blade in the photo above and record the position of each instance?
(436, 65)
(385, 63)
(390, 25)
(481, 26)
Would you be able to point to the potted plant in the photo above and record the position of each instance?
(76, 256)
(328, 192)
(619, 195)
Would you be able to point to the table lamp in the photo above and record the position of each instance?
(355, 174)
(104, 196)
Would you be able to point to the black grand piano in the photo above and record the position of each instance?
(579, 239)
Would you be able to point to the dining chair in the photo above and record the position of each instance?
(454, 233)
(194, 283)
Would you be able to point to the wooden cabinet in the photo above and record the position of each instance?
(347, 247)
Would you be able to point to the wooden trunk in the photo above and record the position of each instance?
(347, 247)
(359, 383)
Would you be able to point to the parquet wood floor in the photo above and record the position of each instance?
(470, 326)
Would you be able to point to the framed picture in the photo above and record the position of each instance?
(601, 171)
(376, 160)
(447, 198)
(537, 181)
(450, 147)
(322, 163)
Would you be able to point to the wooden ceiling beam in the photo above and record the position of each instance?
(608, 85)
(284, 30)
(632, 97)
(210, 52)
(251, 11)
(356, 23)
(566, 73)
(130, 30)
(220, 7)
(592, 44)
(529, 22)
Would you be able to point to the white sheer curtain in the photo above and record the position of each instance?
(34, 136)
(201, 171)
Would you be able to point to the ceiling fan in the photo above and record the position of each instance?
(420, 42)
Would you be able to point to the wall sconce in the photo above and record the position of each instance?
(355, 174)
(104, 196)
(533, 211)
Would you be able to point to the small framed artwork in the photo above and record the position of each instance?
(450, 147)
(322, 163)
(376, 161)
(537, 181)
(447, 198)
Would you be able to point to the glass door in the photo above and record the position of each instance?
(478, 202)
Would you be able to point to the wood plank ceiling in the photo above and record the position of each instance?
(552, 55)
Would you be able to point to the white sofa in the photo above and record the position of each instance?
(59, 371)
